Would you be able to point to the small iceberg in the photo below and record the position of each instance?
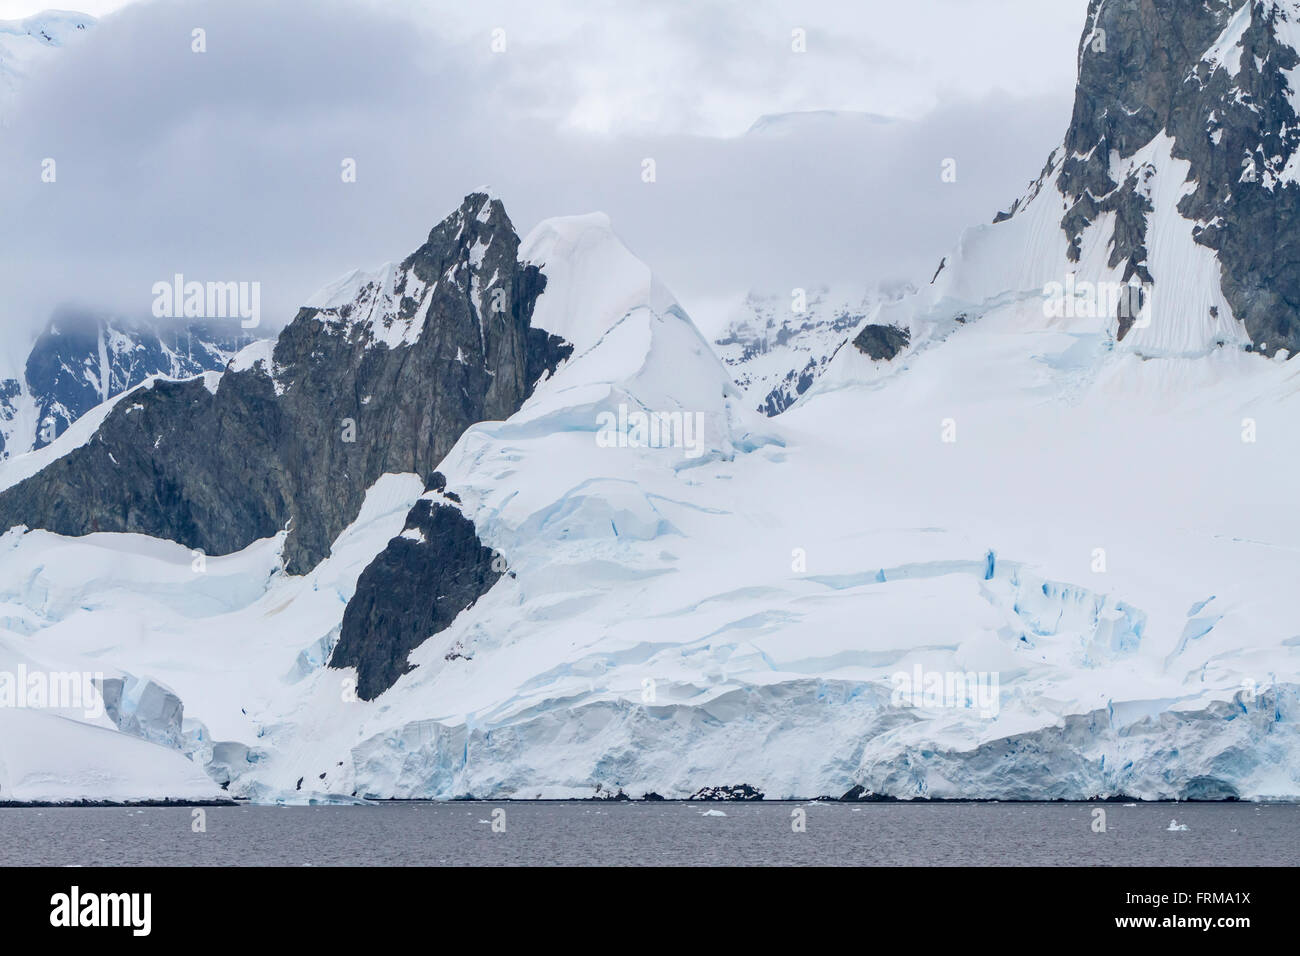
(712, 813)
(1175, 825)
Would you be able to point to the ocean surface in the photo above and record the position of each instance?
(668, 833)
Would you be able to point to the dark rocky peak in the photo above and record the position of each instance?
(379, 373)
(1216, 78)
(462, 240)
(464, 255)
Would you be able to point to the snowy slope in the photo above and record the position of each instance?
(25, 44)
(775, 352)
(1023, 262)
(781, 678)
(45, 758)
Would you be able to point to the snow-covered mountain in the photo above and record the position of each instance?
(777, 345)
(355, 387)
(496, 521)
(25, 43)
(1176, 178)
(81, 360)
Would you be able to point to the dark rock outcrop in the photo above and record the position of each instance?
(860, 794)
(381, 377)
(882, 342)
(433, 570)
(739, 791)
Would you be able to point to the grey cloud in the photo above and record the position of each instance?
(225, 165)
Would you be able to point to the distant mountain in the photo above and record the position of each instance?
(80, 360)
(775, 353)
(804, 121)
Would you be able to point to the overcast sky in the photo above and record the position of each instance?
(225, 165)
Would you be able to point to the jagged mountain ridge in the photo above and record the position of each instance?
(1179, 171)
(379, 373)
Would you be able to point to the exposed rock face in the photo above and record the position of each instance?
(882, 342)
(860, 794)
(82, 359)
(378, 374)
(417, 585)
(1216, 77)
(11, 394)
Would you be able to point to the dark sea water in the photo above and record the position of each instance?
(632, 834)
